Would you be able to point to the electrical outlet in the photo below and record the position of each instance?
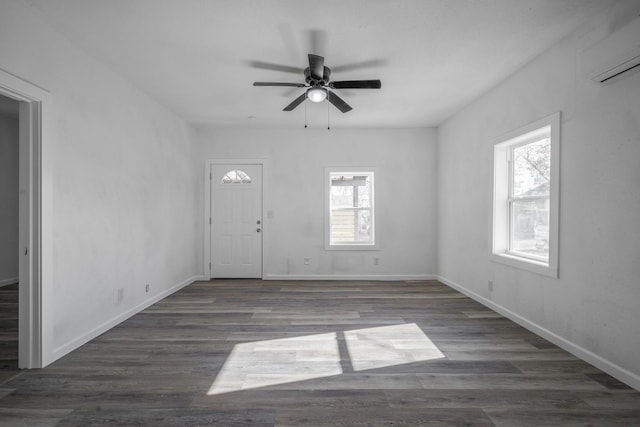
(307, 261)
(146, 288)
(490, 285)
(376, 261)
(120, 294)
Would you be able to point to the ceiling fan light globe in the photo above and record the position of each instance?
(317, 94)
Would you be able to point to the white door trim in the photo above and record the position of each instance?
(206, 264)
(35, 318)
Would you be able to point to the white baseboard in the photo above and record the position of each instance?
(104, 327)
(391, 277)
(9, 281)
(616, 371)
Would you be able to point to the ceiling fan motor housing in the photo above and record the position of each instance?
(326, 75)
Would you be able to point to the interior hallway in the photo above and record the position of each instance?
(266, 353)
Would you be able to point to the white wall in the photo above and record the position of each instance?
(8, 200)
(405, 197)
(593, 308)
(125, 193)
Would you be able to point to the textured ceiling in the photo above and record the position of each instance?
(198, 57)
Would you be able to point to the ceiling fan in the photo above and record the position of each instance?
(318, 82)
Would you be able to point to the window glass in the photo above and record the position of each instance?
(525, 198)
(236, 177)
(531, 228)
(532, 168)
(350, 206)
(529, 199)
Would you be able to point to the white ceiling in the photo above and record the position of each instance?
(433, 56)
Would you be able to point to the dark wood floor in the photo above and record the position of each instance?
(8, 331)
(159, 368)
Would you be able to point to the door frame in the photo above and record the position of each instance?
(206, 261)
(35, 320)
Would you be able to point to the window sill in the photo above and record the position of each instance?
(521, 263)
(352, 248)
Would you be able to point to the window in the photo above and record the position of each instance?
(525, 199)
(350, 217)
(236, 177)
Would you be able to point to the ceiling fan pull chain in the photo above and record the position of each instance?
(305, 110)
(328, 117)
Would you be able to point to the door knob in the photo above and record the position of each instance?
(258, 229)
(258, 222)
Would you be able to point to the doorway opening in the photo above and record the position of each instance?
(9, 226)
(27, 246)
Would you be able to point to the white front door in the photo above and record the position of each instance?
(236, 221)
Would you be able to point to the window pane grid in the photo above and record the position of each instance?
(529, 228)
(236, 177)
(525, 197)
(351, 208)
(528, 199)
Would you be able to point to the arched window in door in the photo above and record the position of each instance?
(236, 177)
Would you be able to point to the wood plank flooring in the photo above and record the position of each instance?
(8, 332)
(254, 353)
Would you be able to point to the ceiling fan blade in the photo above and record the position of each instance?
(279, 84)
(359, 65)
(356, 84)
(316, 66)
(338, 102)
(275, 67)
(299, 100)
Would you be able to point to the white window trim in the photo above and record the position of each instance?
(327, 211)
(500, 219)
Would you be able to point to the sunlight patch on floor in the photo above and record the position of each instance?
(385, 346)
(281, 361)
(265, 363)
